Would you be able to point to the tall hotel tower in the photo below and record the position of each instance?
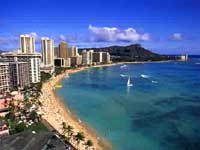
(27, 44)
(63, 50)
(47, 51)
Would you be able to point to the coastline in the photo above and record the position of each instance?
(55, 111)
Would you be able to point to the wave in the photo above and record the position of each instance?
(198, 63)
(123, 75)
(123, 66)
(153, 81)
(144, 76)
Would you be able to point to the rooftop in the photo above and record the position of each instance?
(20, 54)
(30, 141)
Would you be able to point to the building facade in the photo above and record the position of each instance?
(97, 57)
(59, 62)
(4, 77)
(19, 75)
(47, 51)
(63, 50)
(105, 57)
(87, 57)
(73, 51)
(27, 44)
(76, 61)
(56, 50)
(33, 60)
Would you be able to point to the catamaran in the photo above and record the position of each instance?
(129, 82)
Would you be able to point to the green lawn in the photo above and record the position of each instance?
(37, 127)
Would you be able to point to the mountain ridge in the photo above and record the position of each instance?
(133, 52)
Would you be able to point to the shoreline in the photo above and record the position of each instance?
(55, 111)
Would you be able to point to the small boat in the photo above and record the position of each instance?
(58, 86)
(129, 82)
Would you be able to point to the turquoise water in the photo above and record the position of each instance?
(159, 115)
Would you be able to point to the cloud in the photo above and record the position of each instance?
(3, 40)
(177, 37)
(12, 42)
(113, 34)
(34, 34)
(62, 37)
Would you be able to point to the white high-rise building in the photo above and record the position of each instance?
(27, 44)
(33, 61)
(87, 57)
(76, 51)
(97, 57)
(105, 57)
(4, 77)
(73, 51)
(47, 51)
(91, 56)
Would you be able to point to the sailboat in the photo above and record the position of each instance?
(129, 82)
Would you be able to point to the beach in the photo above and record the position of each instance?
(54, 111)
(165, 99)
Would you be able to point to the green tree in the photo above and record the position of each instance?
(64, 128)
(69, 130)
(79, 137)
(45, 76)
(89, 144)
(33, 115)
(19, 127)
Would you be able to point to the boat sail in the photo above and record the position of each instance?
(129, 82)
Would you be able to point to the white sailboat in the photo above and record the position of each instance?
(129, 82)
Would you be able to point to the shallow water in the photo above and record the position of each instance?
(160, 112)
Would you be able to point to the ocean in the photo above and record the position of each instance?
(161, 111)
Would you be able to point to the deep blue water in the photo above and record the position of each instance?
(148, 116)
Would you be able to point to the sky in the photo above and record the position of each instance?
(162, 26)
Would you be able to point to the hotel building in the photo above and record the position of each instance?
(27, 44)
(47, 51)
(72, 51)
(91, 56)
(19, 74)
(97, 57)
(61, 62)
(33, 61)
(56, 50)
(63, 50)
(76, 61)
(105, 57)
(184, 57)
(87, 57)
(4, 77)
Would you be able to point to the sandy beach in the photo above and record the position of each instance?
(54, 111)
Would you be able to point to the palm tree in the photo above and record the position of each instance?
(88, 144)
(69, 130)
(64, 127)
(79, 137)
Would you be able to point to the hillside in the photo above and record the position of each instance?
(130, 53)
